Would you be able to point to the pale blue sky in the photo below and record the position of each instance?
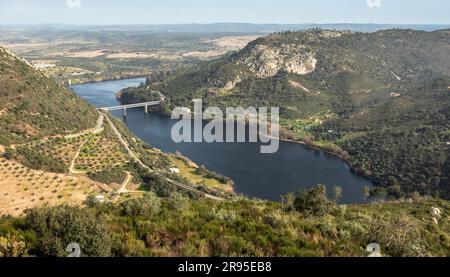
(213, 11)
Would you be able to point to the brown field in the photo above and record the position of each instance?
(23, 188)
(138, 55)
(86, 54)
(233, 42)
(204, 54)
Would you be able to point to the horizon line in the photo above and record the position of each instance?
(216, 23)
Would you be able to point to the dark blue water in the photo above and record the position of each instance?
(266, 176)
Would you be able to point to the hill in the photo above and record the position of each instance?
(56, 148)
(380, 100)
(177, 226)
(144, 212)
(32, 106)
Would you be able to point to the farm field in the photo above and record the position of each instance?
(85, 55)
(24, 188)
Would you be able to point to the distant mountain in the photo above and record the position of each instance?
(226, 27)
(33, 106)
(379, 99)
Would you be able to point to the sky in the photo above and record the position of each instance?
(107, 12)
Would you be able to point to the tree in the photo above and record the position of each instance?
(146, 206)
(366, 192)
(58, 227)
(337, 192)
(313, 202)
(287, 201)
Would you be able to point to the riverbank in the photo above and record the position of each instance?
(107, 79)
(293, 167)
(311, 145)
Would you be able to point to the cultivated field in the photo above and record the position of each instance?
(100, 153)
(90, 56)
(23, 188)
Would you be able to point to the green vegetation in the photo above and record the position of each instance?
(32, 106)
(54, 155)
(379, 100)
(178, 226)
(108, 176)
(35, 159)
(101, 152)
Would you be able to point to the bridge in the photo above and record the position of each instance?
(131, 106)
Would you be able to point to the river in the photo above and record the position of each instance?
(265, 176)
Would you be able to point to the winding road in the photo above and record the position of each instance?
(138, 161)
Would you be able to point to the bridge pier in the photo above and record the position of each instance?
(124, 112)
(146, 109)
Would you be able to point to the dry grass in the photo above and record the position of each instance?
(233, 42)
(295, 84)
(86, 54)
(23, 188)
(204, 54)
(138, 55)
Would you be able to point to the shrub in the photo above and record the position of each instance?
(59, 226)
(13, 246)
(178, 202)
(313, 202)
(398, 237)
(146, 206)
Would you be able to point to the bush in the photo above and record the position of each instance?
(146, 206)
(60, 226)
(178, 202)
(108, 176)
(398, 237)
(13, 246)
(313, 202)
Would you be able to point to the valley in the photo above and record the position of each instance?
(335, 95)
(70, 172)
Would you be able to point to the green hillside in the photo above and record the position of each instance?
(33, 106)
(380, 100)
(176, 226)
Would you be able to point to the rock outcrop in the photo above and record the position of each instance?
(265, 61)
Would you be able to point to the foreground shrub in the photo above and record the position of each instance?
(13, 246)
(146, 206)
(58, 227)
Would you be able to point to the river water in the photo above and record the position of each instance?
(265, 176)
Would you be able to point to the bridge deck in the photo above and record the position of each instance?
(130, 106)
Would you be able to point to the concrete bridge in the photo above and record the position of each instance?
(131, 106)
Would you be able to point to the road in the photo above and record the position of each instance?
(72, 163)
(126, 182)
(138, 161)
